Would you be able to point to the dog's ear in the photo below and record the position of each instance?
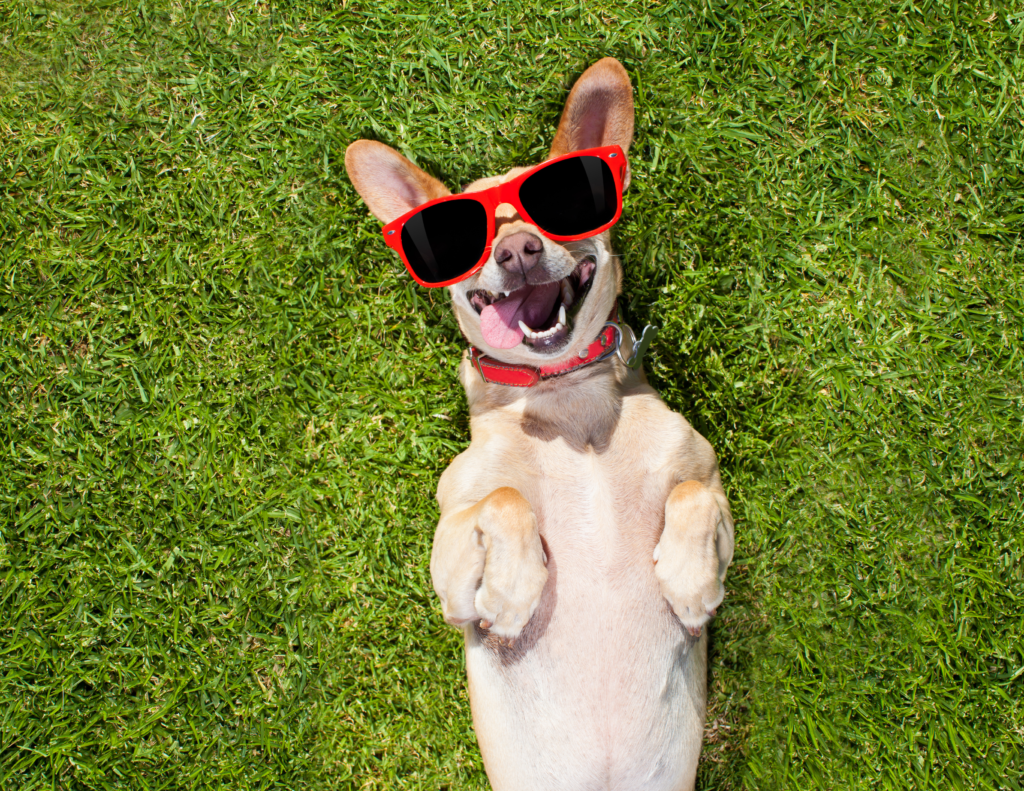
(598, 112)
(389, 183)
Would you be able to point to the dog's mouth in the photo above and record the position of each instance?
(540, 316)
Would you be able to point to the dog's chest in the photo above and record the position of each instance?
(607, 507)
(597, 507)
(600, 515)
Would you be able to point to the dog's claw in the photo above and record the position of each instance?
(694, 631)
(712, 612)
(485, 624)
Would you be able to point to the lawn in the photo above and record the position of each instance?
(224, 406)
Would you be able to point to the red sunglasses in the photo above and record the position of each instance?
(567, 198)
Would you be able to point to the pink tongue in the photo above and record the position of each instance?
(531, 304)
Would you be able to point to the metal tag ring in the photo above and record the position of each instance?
(623, 332)
(636, 347)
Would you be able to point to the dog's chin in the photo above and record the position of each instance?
(553, 327)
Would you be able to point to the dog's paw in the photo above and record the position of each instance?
(509, 594)
(693, 593)
(687, 561)
(515, 568)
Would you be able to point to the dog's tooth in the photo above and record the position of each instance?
(561, 314)
(567, 294)
(526, 330)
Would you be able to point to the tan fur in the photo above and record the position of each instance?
(584, 534)
(598, 112)
(389, 183)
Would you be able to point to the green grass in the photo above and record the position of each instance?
(224, 407)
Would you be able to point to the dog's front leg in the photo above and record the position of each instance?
(488, 564)
(694, 552)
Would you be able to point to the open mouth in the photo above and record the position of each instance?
(540, 316)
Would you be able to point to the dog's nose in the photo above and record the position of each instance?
(519, 252)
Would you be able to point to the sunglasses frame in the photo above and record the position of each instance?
(491, 198)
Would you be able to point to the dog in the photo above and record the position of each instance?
(584, 534)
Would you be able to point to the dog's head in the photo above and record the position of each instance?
(535, 301)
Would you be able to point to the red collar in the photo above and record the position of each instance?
(496, 372)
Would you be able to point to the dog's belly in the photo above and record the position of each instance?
(604, 689)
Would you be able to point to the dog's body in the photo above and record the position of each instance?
(602, 688)
(584, 534)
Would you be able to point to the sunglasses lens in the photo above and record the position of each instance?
(574, 196)
(446, 240)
